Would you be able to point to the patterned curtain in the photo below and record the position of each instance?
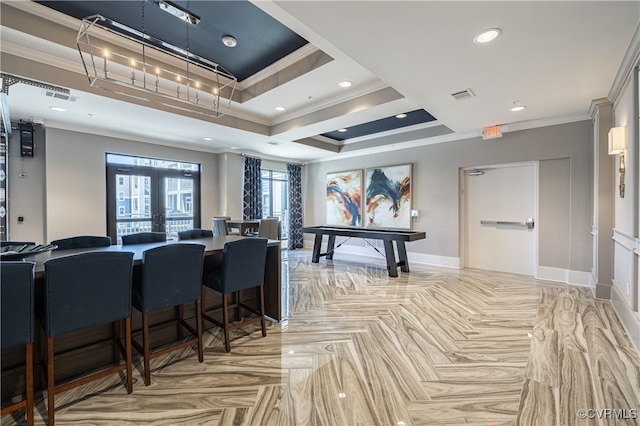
(295, 205)
(252, 208)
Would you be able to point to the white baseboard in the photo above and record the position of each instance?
(430, 259)
(414, 258)
(552, 274)
(565, 276)
(582, 278)
(630, 320)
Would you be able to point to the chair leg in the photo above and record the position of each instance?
(50, 383)
(116, 338)
(145, 349)
(203, 305)
(239, 313)
(29, 382)
(261, 310)
(199, 329)
(180, 314)
(129, 357)
(225, 321)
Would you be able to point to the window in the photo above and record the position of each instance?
(275, 197)
(157, 195)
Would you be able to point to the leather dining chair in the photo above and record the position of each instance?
(269, 228)
(83, 241)
(230, 231)
(17, 320)
(220, 227)
(171, 276)
(192, 234)
(243, 264)
(82, 291)
(144, 238)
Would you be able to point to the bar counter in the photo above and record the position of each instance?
(83, 350)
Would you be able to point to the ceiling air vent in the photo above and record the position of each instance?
(58, 95)
(464, 94)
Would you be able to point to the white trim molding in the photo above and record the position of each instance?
(629, 319)
(582, 278)
(625, 249)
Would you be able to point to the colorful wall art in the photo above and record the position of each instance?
(344, 198)
(388, 197)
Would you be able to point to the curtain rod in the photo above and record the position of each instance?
(243, 154)
(250, 155)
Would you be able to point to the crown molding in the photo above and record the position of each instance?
(629, 62)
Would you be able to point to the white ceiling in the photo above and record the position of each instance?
(553, 57)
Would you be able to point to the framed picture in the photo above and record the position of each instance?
(344, 198)
(388, 197)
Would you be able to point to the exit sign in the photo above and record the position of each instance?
(492, 132)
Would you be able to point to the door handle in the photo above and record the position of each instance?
(529, 223)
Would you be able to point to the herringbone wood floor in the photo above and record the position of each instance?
(434, 346)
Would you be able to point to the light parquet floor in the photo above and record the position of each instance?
(432, 347)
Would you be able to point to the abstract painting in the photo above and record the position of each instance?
(388, 197)
(344, 198)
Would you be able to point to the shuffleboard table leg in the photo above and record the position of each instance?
(402, 255)
(330, 245)
(317, 245)
(392, 266)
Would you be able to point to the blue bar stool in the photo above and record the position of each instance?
(18, 323)
(171, 276)
(243, 264)
(81, 291)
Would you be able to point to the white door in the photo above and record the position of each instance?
(500, 207)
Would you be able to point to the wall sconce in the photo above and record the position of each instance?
(617, 145)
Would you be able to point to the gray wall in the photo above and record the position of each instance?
(564, 152)
(27, 189)
(76, 201)
(74, 173)
(554, 226)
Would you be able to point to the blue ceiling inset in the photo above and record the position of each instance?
(262, 40)
(418, 116)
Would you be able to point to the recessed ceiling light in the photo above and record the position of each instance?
(487, 35)
(208, 139)
(342, 130)
(55, 108)
(280, 108)
(229, 41)
(518, 108)
(403, 115)
(345, 83)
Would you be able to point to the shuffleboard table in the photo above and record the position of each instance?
(388, 236)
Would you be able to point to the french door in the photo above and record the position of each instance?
(151, 199)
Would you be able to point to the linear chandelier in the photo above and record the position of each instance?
(113, 53)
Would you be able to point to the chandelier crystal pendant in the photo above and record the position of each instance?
(115, 54)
